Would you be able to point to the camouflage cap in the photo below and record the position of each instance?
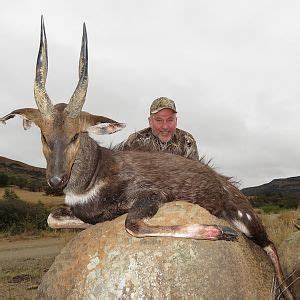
(161, 103)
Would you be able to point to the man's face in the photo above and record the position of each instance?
(163, 124)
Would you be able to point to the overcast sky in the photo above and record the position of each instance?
(232, 67)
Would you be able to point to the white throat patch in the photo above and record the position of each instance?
(72, 199)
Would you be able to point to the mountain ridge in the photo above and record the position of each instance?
(17, 168)
(283, 187)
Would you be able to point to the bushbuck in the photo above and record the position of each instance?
(101, 184)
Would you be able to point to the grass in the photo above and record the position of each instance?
(64, 234)
(33, 271)
(20, 277)
(280, 226)
(25, 213)
(36, 197)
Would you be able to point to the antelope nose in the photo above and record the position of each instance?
(55, 181)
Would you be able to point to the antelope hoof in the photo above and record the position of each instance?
(227, 233)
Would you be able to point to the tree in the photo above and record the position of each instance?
(21, 182)
(3, 180)
(34, 185)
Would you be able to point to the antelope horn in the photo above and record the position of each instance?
(74, 107)
(41, 97)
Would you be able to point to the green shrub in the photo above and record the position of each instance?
(35, 185)
(268, 209)
(9, 194)
(18, 216)
(3, 180)
(274, 204)
(49, 191)
(21, 182)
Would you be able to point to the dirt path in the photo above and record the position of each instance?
(23, 263)
(27, 249)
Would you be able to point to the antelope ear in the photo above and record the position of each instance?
(106, 128)
(99, 125)
(29, 115)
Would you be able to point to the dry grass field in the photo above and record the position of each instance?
(35, 197)
(280, 226)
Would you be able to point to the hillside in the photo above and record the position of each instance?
(284, 187)
(20, 169)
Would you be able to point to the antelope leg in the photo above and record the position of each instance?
(63, 217)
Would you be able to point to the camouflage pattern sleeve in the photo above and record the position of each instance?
(190, 147)
(127, 144)
(193, 154)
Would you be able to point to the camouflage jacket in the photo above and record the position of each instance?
(182, 143)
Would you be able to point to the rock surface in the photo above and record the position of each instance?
(289, 253)
(105, 262)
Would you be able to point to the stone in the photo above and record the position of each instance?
(105, 262)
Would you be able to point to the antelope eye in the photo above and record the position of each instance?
(74, 138)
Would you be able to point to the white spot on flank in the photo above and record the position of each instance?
(249, 217)
(240, 214)
(72, 199)
(242, 227)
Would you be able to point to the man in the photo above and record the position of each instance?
(162, 134)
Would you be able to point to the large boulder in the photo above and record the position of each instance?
(289, 253)
(105, 262)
